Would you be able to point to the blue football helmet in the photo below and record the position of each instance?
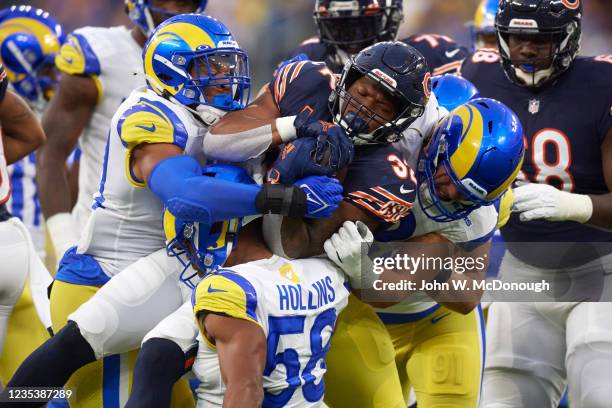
(192, 55)
(402, 72)
(480, 145)
(29, 40)
(557, 21)
(483, 23)
(203, 248)
(452, 90)
(139, 11)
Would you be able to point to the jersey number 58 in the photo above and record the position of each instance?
(289, 357)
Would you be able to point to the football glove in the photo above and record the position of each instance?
(543, 201)
(348, 249)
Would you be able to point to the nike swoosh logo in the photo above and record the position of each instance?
(148, 128)
(405, 190)
(437, 319)
(68, 60)
(211, 290)
(451, 54)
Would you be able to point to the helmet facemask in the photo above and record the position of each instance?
(355, 117)
(351, 26)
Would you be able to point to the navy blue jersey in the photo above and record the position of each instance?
(565, 124)
(377, 176)
(443, 54)
(3, 82)
(303, 85)
(381, 183)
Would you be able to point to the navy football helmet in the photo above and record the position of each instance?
(402, 72)
(352, 25)
(557, 20)
(452, 90)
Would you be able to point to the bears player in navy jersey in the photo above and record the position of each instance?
(564, 104)
(346, 27)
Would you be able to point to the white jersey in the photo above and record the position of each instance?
(126, 223)
(296, 303)
(419, 131)
(483, 223)
(113, 59)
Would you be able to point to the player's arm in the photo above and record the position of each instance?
(21, 131)
(241, 346)
(244, 134)
(543, 201)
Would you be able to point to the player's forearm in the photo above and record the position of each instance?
(602, 211)
(21, 130)
(248, 393)
(52, 181)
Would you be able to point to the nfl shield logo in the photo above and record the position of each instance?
(534, 106)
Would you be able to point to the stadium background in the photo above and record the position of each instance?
(269, 29)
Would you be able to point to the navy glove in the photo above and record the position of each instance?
(323, 195)
(296, 161)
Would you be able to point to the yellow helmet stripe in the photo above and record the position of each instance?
(495, 193)
(169, 225)
(46, 37)
(221, 240)
(465, 156)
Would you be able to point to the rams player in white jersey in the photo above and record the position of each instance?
(99, 66)
(442, 330)
(195, 72)
(29, 40)
(21, 134)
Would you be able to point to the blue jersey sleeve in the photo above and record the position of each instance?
(300, 85)
(77, 57)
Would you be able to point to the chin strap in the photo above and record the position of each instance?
(533, 79)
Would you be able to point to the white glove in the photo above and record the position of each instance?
(345, 249)
(543, 201)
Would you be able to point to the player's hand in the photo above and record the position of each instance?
(296, 162)
(348, 247)
(323, 195)
(334, 147)
(543, 201)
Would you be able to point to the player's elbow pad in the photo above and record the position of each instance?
(191, 196)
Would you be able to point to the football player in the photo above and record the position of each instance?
(253, 315)
(482, 28)
(568, 131)
(445, 332)
(191, 61)
(21, 135)
(346, 27)
(99, 67)
(29, 40)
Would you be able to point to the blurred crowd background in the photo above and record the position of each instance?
(269, 29)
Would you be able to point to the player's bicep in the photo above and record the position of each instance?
(68, 112)
(241, 347)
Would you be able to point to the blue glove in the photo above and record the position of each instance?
(282, 64)
(323, 195)
(296, 161)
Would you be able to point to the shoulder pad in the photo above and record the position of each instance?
(228, 293)
(313, 48)
(150, 121)
(442, 53)
(298, 82)
(77, 57)
(485, 58)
